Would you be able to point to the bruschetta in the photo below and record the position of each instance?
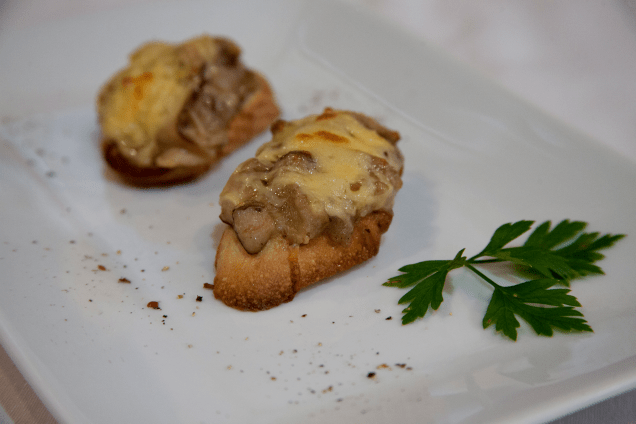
(313, 202)
(176, 109)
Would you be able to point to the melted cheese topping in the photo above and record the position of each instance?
(142, 99)
(342, 148)
(352, 171)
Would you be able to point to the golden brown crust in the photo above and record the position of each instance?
(257, 113)
(275, 274)
(154, 176)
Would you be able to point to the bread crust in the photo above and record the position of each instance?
(255, 116)
(275, 274)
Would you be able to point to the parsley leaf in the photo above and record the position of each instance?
(570, 259)
(521, 300)
(429, 277)
(557, 255)
(504, 235)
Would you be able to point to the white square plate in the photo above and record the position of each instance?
(476, 157)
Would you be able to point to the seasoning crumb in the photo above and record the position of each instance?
(377, 311)
(199, 299)
(382, 366)
(389, 318)
(328, 389)
(123, 280)
(193, 313)
(401, 365)
(273, 378)
(303, 315)
(165, 268)
(154, 305)
(371, 375)
(208, 286)
(101, 267)
(72, 242)
(179, 296)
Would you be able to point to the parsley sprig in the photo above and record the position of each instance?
(554, 256)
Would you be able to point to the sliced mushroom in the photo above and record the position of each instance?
(253, 226)
(296, 160)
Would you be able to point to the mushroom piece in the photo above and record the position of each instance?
(253, 226)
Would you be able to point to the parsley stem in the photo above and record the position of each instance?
(482, 275)
(483, 261)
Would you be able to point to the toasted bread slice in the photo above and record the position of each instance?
(275, 274)
(177, 109)
(313, 202)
